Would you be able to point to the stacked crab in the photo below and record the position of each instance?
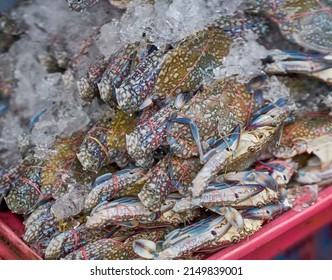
(180, 166)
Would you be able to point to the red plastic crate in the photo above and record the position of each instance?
(274, 238)
(11, 245)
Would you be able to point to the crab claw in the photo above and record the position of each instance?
(320, 70)
(145, 249)
(253, 177)
(279, 170)
(234, 218)
(217, 158)
(265, 213)
(266, 115)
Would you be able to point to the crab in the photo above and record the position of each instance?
(306, 23)
(185, 241)
(242, 190)
(115, 248)
(68, 241)
(10, 30)
(186, 174)
(120, 65)
(209, 234)
(42, 180)
(242, 148)
(130, 212)
(312, 172)
(183, 68)
(172, 173)
(7, 178)
(105, 141)
(87, 85)
(104, 77)
(45, 222)
(309, 134)
(191, 125)
(109, 186)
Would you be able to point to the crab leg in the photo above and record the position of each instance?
(278, 55)
(253, 177)
(211, 168)
(318, 66)
(194, 130)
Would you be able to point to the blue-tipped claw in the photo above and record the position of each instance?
(279, 55)
(265, 213)
(234, 218)
(102, 179)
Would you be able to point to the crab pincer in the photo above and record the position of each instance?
(185, 241)
(250, 143)
(109, 185)
(265, 213)
(216, 159)
(126, 211)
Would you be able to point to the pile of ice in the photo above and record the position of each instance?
(47, 21)
(164, 22)
(244, 59)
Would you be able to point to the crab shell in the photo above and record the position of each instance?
(306, 23)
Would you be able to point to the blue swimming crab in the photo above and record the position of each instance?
(87, 85)
(7, 178)
(115, 248)
(313, 173)
(128, 63)
(54, 217)
(244, 189)
(309, 134)
(171, 173)
(42, 180)
(115, 185)
(306, 23)
(190, 125)
(10, 30)
(244, 146)
(188, 174)
(183, 68)
(105, 142)
(70, 240)
(209, 234)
